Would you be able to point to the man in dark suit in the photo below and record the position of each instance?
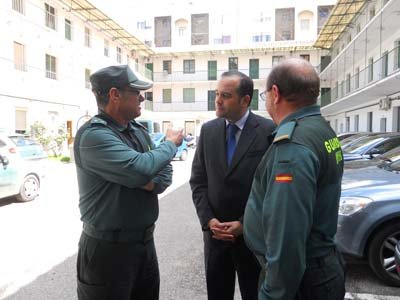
(229, 150)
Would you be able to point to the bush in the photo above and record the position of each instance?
(65, 159)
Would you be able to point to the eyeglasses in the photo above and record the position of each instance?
(263, 95)
(135, 92)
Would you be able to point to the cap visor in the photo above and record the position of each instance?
(141, 85)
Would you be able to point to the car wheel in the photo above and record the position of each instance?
(183, 155)
(381, 253)
(29, 189)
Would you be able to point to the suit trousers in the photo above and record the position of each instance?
(117, 270)
(223, 260)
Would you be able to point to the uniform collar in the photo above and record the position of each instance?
(114, 123)
(306, 111)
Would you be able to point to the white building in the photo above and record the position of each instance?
(195, 42)
(361, 82)
(48, 50)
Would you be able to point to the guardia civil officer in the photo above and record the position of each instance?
(119, 176)
(291, 216)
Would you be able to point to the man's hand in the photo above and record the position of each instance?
(220, 231)
(175, 136)
(235, 228)
(148, 187)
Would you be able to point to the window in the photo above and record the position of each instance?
(106, 48)
(119, 55)
(148, 96)
(254, 68)
(87, 37)
(370, 69)
(188, 95)
(369, 121)
(305, 57)
(385, 64)
(182, 31)
(20, 120)
(51, 67)
(347, 128)
(19, 6)
(276, 59)
(166, 95)
(233, 63)
(200, 29)
(372, 12)
(323, 14)
(50, 16)
(211, 100)
(348, 86)
(87, 78)
(19, 57)
(212, 70)
(284, 24)
(162, 31)
(254, 101)
(397, 54)
(357, 78)
(261, 38)
(188, 66)
(382, 124)
(148, 71)
(167, 66)
(305, 24)
(68, 30)
(356, 122)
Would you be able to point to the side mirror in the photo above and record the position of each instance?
(4, 161)
(374, 151)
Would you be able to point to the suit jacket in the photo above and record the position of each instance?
(220, 191)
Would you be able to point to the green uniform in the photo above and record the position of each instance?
(111, 169)
(291, 215)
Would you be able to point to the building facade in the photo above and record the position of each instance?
(194, 45)
(361, 80)
(48, 50)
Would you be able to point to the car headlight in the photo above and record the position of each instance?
(351, 205)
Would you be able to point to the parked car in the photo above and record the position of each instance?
(182, 152)
(397, 258)
(370, 146)
(346, 142)
(345, 135)
(385, 158)
(20, 173)
(27, 147)
(369, 217)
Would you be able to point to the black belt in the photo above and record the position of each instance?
(310, 262)
(119, 235)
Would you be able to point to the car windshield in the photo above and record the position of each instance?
(392, 155)
(363, 144)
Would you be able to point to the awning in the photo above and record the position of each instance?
(92, 15)
(340, 18)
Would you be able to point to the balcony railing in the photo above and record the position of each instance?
(385, 66)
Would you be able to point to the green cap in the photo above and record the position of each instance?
(118, 77)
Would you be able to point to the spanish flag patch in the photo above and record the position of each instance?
(284, 178)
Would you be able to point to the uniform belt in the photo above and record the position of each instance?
(310, 262)
(119, 235)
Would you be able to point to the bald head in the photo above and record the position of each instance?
(297, 81)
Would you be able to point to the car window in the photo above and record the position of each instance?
(395, 165)
(362, 145)
(390, 144)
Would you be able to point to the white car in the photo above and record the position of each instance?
(20, 174)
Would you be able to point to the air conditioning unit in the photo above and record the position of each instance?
(384, 103)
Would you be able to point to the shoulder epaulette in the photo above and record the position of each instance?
(98, 121)
(285, 132)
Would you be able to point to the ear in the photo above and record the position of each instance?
(114, 94)
(246, 100)
(275, 93)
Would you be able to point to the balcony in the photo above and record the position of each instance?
(379, 78)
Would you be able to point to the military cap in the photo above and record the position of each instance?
(118, 77)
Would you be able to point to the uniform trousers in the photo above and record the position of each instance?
(223, 260)
(117, 270)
